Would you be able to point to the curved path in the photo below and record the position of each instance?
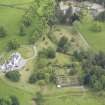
(34, 55)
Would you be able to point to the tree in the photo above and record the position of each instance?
(2, 31)
(49, 52)
(97, 85)
(14, 100)
(36, 76)
(12, 45)
(52, 78)
(103, 80)
(27, 21)
(32, 78)
(96, 27)
(13, 76)
(93, 70)
(101, 17)
(39, 15)
(5, 101)
(63, 44)
(72, 71)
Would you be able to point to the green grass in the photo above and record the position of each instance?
(6, 91)
(15, 1)
(74, 100)
(95, 39)
(29, 51)
(11, 18)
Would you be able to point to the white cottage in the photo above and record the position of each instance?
(16, 62)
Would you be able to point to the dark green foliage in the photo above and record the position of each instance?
(36, 76)
(63, 45)
(101, 16)
(5, 101)
(72, 71)
(14, 100)
(49, 53)
(12, 45)
(2, 31)
(34, 38)
(27, 21)
(52, 78)
(93, 66)
(38, 18)
(80, 55)
(13, 76)
(32, 78)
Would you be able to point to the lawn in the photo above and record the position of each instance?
(95, 39)
(10, 18)
(15, 1)
(74, 100)
(25, 98)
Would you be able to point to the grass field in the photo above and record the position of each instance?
(75, 100)
(10, 18)
(6, 91)
(15, 1)
(95, 39)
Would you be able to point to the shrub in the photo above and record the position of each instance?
(36, 76)
(14, 100)
(13, 76)
(12, 45)
(32, 78)
(72, 72)
(5, 101)
(96, 27)
(2, 31)
(27, 21)
(101, 16)
(63, 45)
(49, 52)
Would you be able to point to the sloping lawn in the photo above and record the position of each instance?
(24, 97)
(10, 19)
(15, 1)
(95, 39)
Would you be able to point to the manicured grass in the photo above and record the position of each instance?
(15, 1)
(75, 99)
(11, 18)
(62, 59)
(6, 91)
(95, 39)
(26, 51)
